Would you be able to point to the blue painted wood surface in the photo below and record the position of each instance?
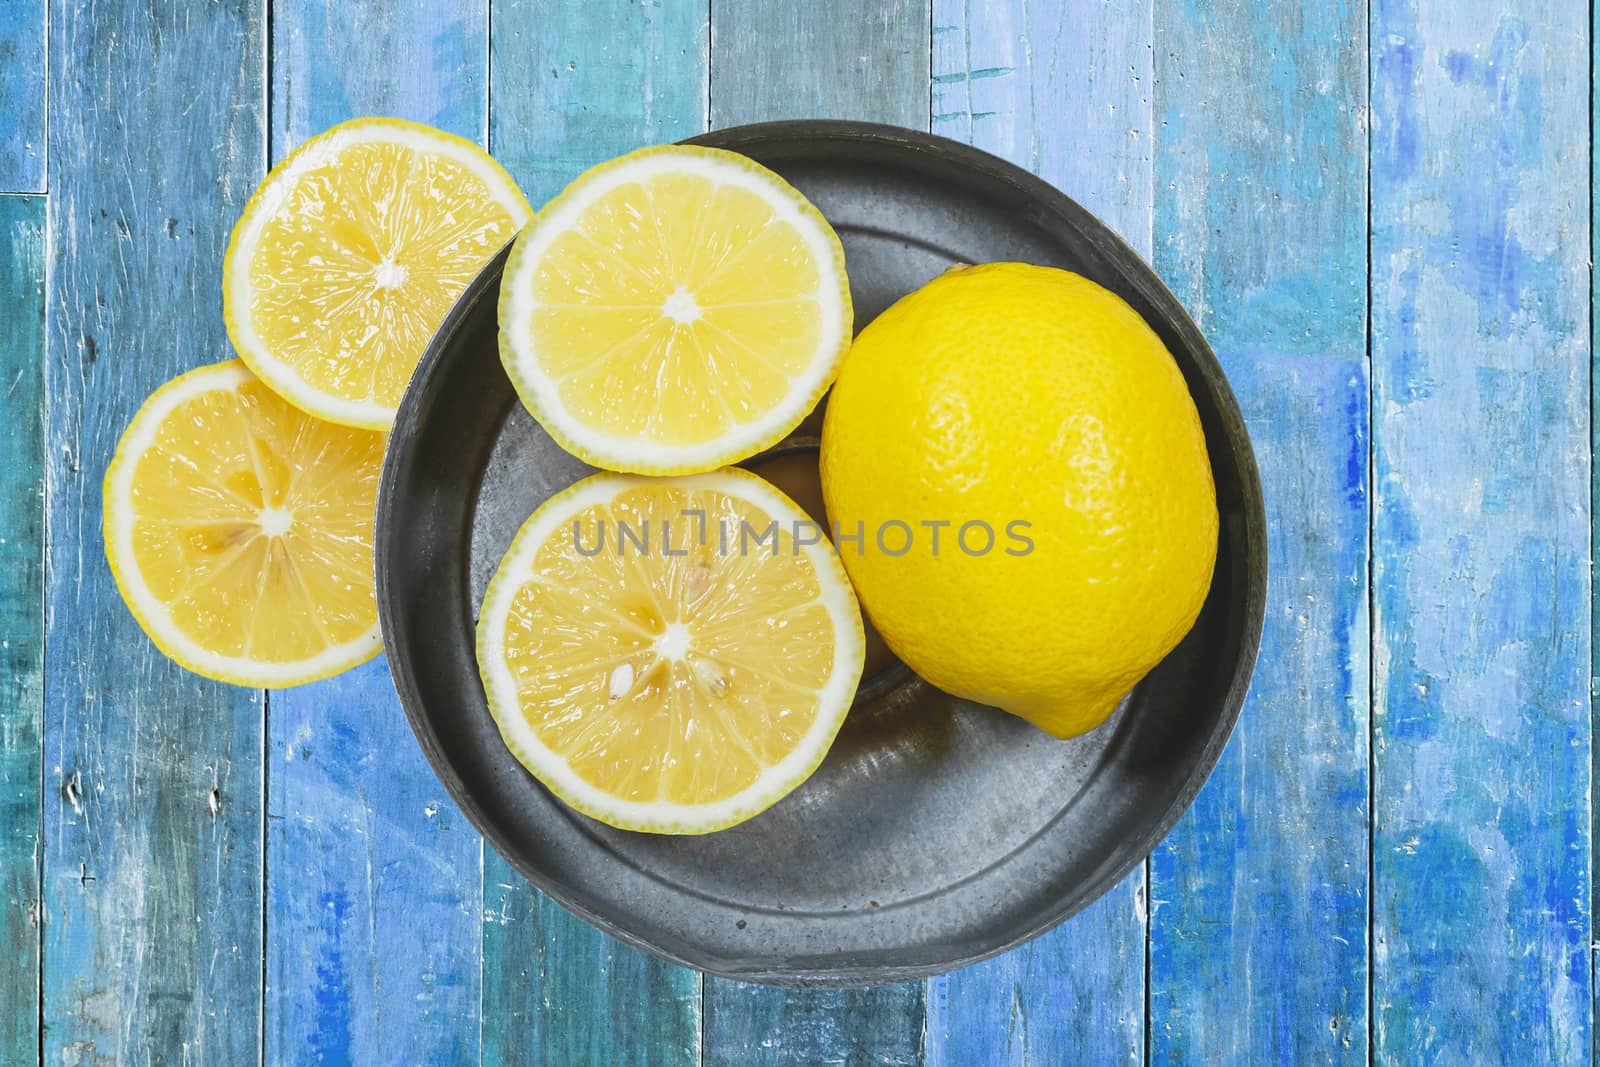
(1481, 711)
(373, 885)
(573, 85)
(1258, 899)
(21, 618)
(1235, 150)
(22, 96)
(152, 776)
(1004, 74)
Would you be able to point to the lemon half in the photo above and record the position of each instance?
(349, 255)
(674, 310)
(664, 692)
(239, 530)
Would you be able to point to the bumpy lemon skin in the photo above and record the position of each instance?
(1015, 394)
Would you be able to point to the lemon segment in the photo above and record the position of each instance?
(668, 692)
(349, 256)
(239, 530)
(674, 310)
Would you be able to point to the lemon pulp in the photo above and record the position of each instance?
(674, 310)
(659, 691)
(347, 259)
(239, 530)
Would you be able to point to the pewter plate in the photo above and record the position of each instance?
(937, 832)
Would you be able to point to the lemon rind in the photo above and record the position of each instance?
(629, 453)
(263, 205)
(152, 615)
(774, 783)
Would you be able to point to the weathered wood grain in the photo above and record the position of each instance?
(562, 992)
(575, 84)
(1481, 707)
(426, 62)
(22, 224)
(152, 865)
(572, 85)
(1062, 88)
(773, 60)
(22, 96)
(372, 901)
(373, 875)
(1258, 899)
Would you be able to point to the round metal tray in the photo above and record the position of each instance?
(937, 832)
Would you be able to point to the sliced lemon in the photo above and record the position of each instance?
(239, 530)
(674, 310)
(349, 255)
(667, 654)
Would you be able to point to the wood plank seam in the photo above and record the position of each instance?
(1372, 595)
(267, 18)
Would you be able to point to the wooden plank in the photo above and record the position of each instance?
(754, 1024)
(572, 85)
(424, 62)
(1258, 899)
(575, 84)
(21, 619)
(22, 95)
(1480, 317)
(829, 59)
(558, 991)
(373, 875)
(152, 866)
(769, 60)
(372, 886)
(1062, 88)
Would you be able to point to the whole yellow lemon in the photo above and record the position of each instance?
(1020, 491)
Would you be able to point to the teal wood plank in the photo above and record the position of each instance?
(575, 84)
(153, 816)
(22, 95)
(572, 85)
(769, 60)
(557, 991)
(1062, 88)
(1258, 898)
(749, 1024)
(373, 875)
(21, 619)
(775, 59)
(1480, 320)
